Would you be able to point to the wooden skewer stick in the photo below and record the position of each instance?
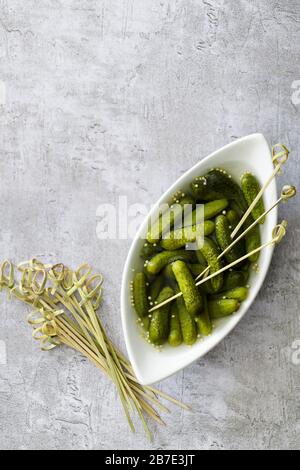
(287, 193)
(278, 233)
(278, 160)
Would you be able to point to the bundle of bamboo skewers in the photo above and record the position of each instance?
(65, 305)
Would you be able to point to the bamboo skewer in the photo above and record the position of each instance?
(278, 160)
(277, 237)
(287, 193)
(278, 233)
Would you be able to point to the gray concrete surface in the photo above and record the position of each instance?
(102, 98)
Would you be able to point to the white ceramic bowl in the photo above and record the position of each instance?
(249, 153)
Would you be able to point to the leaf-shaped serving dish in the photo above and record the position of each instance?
(250, 153)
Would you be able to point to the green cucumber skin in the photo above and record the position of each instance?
(203, 321)
(251, 188)
(181, 237)
(191, 294)
(222, 308)
(223, 236)
(236, 208)
(159, 324)
(155, 287)
(197, 269)
(211, 252)
(200, 258)
(175, 335)
(213, 208)
(245, 269)
(252, 239)
(207, 287)
(159, 261)
(218, 184)
(168, 273)
(238, 293)
(145, 324)
(234, 279)
(149, 250)
(187, 323)
(210, 210)
(166, 220)
(140, 296)
(233, 218)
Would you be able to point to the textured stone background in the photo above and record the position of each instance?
(102, 98)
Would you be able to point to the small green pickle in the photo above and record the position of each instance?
(168, 273)
(191, 294)
(222, 308)
(175, 335)
(181, 237)
(159, 261)
(159, 325)
(149, 250)
(251, 189)
(223, 236)
(216, 184)
(155, 287)
(210, 252)
(140, 296)
(238, 293)
(252, 239)
(197, 269)
(210, 210)
(203, 320)
(233, 218)
(187, 323)
(235, 279)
